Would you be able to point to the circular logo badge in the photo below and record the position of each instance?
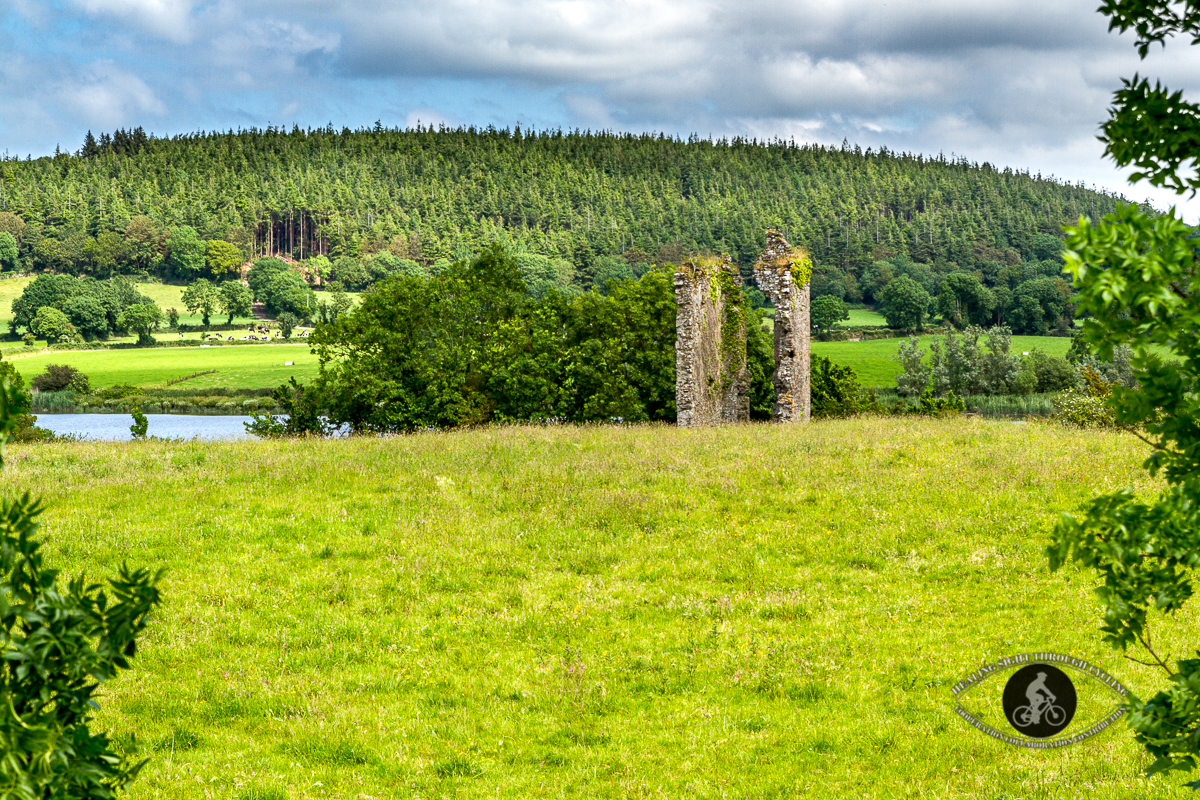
(1039, 700)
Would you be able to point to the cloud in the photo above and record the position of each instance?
(166, 18)
(109, 95)
(1022, 83)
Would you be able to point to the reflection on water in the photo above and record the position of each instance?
(166, 426)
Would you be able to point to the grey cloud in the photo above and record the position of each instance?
(1019, 82)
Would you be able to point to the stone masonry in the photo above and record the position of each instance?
(712, 382)
(784, 272)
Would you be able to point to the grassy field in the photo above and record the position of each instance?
(873, 361)
(240, 367)
(751, 611)
(262, 366)
(862, 316)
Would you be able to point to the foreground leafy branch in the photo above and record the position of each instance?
(58, 646)
(1137, 279)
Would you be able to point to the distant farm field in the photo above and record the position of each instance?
(746, 611)
(237, 367)
(862, 316)
(876, 366)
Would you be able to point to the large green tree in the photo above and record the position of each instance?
(223, 260)
(87, 315)
(186, 252)
(8, 251)
(827, 311)
(202, 297)
(1137, 276)
(963, 300)
(904, 303)
(470, 346)
(142, 319)
(236, 300)
(52, 324)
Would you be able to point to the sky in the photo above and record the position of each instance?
(1017, 83)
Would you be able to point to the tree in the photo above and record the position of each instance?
(186, 252)
(172, 317)
(87, 315)
(107, 252)
(52, 325)
(261, 273)
(904, 304)
(287, 321)
(144, 242)
(963, 300)
(43, 290)
(1137, 276)
(287, 291)
(318, 267)
(827, 311)
(8, 251)
(142, 319)
(1040, 304)
(203, 298)
(339, 303)
(351, 273)
(222, 259)
(236, 300)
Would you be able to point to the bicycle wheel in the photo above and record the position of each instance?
(1023, 717)
(1055, 715)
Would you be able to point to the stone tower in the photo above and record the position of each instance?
(784, 272)
(712, 382)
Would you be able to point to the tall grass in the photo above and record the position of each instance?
(53, 402)
(746, 611)
(1012, 405)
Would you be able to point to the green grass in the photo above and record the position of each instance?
(168, 295)
(240, 367)
(750, 611)
(10, 289)
(873, 361)
(862, 316)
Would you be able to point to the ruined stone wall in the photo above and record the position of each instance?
(784, 274)
(712, 382)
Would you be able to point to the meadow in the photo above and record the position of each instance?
(751, 610)
(237, 367)
(262, 366)
(863, 316)
(874, 360)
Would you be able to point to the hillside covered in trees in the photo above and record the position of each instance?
(580, 207)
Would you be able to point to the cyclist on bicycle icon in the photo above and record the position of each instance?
(1041, 699)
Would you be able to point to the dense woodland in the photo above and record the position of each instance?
(579, 208)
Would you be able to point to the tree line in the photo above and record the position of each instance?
(584, 207)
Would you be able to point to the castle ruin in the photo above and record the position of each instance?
(712, 382)
(784, 273)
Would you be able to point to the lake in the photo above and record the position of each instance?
(166, 426)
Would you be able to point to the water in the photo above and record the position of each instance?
(166, 426)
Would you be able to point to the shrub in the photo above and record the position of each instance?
(835, 390)
(118, 391)
(1078, 408)
(140, 423)
(58, 377)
